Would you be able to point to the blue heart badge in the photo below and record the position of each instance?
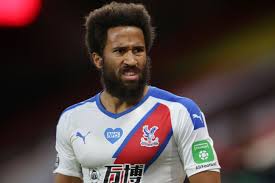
(112, 135)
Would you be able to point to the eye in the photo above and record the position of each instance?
(119, 51)
(138, 50)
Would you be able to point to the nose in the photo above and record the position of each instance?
(130, 59)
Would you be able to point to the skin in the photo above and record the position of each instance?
(59, 178)
(125, 45)
(205, 177)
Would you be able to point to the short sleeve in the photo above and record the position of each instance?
(195, 146)
(66, 162)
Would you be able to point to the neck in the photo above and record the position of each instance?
(115, 105)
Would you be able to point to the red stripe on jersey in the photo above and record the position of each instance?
(133, 152)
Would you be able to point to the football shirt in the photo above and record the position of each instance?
(162, 138)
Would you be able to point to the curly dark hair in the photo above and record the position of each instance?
(116, 14)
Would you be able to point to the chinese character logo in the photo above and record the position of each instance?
(124, 173)
(149, 139)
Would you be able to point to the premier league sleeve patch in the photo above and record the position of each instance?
(202, 152)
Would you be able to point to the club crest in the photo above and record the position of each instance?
(149, 139)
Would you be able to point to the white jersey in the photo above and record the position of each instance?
(161, 139)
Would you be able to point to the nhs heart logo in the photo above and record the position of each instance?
(113, 135)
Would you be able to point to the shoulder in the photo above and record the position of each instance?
(188, 103)
(74, 111)
(80, 105)
(181, 104)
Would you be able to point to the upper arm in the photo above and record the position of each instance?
(67, 163)
(195, 145)
(205, 177)
(59, 178)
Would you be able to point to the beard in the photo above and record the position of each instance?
(125, 90)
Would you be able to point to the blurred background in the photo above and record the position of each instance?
(219, 53)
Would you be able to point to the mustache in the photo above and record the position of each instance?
(128, 68)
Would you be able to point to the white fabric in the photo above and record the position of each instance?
(79, 156)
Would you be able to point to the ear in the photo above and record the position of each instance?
(97, 60)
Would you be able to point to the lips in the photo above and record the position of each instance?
(130, 74)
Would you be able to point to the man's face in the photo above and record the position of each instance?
(125, 68)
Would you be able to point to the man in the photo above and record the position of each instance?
(131, 132)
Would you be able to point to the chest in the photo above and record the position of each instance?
(135, 139)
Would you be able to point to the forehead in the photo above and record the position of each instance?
(125, 35)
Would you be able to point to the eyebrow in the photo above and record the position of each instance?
(120, 47)
(126, 47)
